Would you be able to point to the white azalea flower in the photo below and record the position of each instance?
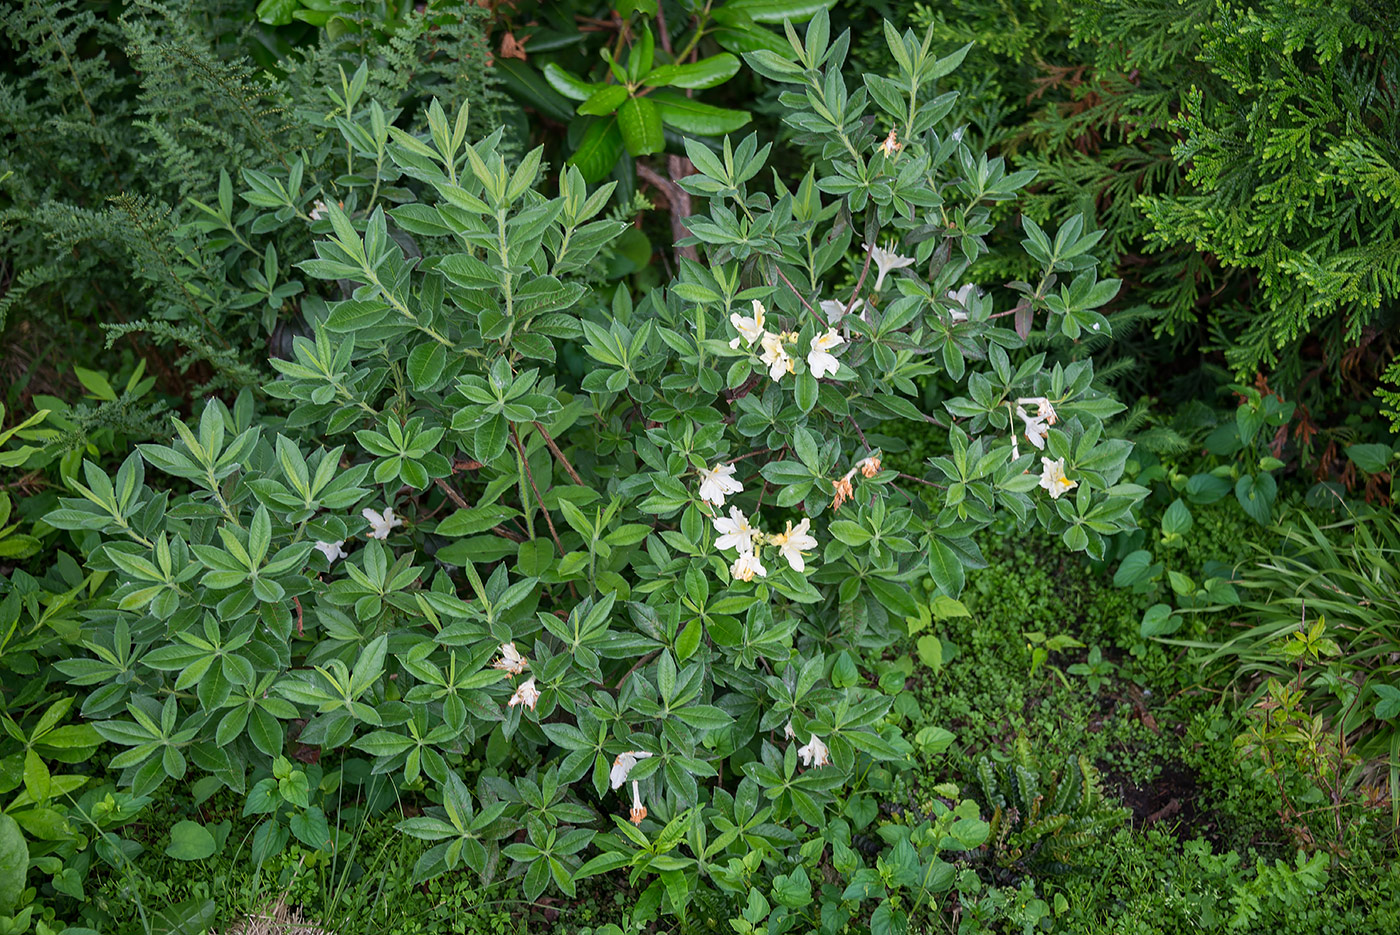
(1036, 429)
(734, 532)
(1053, 478)
(775, 356)
(511, 661)
(639, 811)
(962, 296)
(788, 732)
(835, 310)
(814, 753)
(717, 483)
(381, 524)
(793, 543)
(886, 260)
(526, 695)
(750, 329)
(331, 550)
(746, 566)
(1042, 406)
(318, 211)
(622, 766)
(819, 357)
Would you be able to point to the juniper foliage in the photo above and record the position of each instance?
(1241, 156)
(120, 119)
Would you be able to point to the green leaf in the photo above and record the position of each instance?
(491, 439)
(526, 84)
(425, 365)
(190, 841)
(599, 149)
(1389, 704)
(1373, 459)
(1136, 567)
(311, 828)
(1255, 494)
(568, 84)
(930, 650)
(849, 532)
(604, 101)
(1177, 519)
(690, 116)
(14, 864)
(945, 568)
(776, 11)
(469, 522)
(640, 122)
(1158, 621)
(352, 315)
(706, 73)
(277, 12)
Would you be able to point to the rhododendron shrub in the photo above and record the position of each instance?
(614, 624)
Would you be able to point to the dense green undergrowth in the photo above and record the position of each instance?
(1198, 850)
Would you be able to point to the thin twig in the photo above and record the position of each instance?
(856, 426)
(530, 476)
(661, 28)
(760, 451)
(637, 665)
(920, 480)
(798, 294)
(558, 454)
(677, 205)
(462, 504)
(452, 495)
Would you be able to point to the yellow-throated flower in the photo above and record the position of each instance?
(819, 358)
(718, 482)
(734, 531)
(793, 542)
(775, 356)
(746, 566)
(750, 329)
(1053, 478)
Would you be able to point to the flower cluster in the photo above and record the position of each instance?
(1036, 428)
(735, 532)
(774, 345)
